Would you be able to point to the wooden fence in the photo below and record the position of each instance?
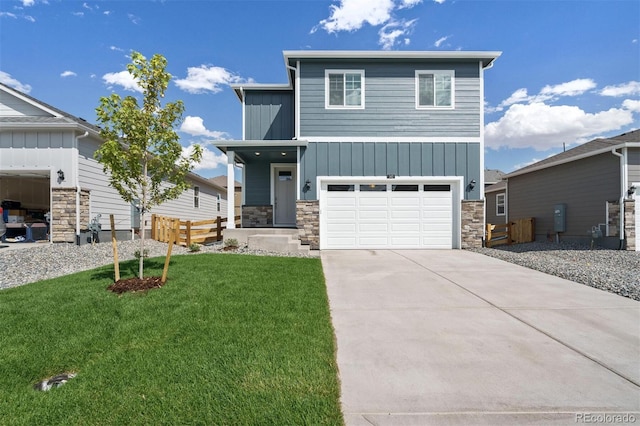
(189, 232)
(514, 232)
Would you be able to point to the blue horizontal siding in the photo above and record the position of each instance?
(390, 102)
(398, 158)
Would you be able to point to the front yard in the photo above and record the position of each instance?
(229, 339)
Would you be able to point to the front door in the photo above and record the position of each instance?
(284, 194)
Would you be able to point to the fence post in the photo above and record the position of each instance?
(219, 228)
(188, 233)
(153, 226)
(488, 242)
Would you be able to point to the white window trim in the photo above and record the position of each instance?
(504, 204)
(326, 89)
(450, 73)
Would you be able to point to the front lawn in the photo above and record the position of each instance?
(230, 339)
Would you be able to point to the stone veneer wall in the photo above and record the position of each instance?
(472, 227)
(630, 224)
(257, 216)
(613, 221)
(308, 222)
(63, 214)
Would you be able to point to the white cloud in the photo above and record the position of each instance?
(124, 79)
(8, 15)
(548, 93)
(204, 79)
(624, 89)
(441, 40)
(115, 48)
(351, 15)
(79, 14)
(210, 160)
(107, 12)
(631, 105)
(391, 32)
(134, 19)
(68, 74)
(86, 6)
(439, 1)
(29, 18)
(571, 88)
(194, 126)
(408, 4)
(6, 78)
(543, 127)
(27, 3)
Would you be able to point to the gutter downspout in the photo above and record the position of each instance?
(623, 180)
(296, 125)
(75, 171)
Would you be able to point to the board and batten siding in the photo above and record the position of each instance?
(46, 151)
(269, 115)
(584, 186)
(384, 158)
(633, 159)
(257, 185)
(390, 103)
(105, 200)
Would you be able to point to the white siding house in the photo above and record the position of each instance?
(47, 165)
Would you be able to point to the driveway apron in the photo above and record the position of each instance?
(454, 337)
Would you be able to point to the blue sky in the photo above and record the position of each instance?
(569, 72)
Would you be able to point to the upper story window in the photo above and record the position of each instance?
(196, 197)
(500, 204)
(218, 198)
(434, 89)
(344, 89)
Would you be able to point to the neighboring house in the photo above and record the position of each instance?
(492, 176)
(237, 194)
(596, 186)
(366, 149)
(47, 165)
(496, 207)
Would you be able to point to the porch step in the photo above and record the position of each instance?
(241, 235)
(270, 242)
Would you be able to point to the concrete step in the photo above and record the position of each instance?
(277, 243)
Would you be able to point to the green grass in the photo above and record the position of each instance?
(229, 340)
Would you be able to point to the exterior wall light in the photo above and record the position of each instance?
(631, 191)
(472, 184)
(60, 175)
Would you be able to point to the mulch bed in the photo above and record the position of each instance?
(135, 284)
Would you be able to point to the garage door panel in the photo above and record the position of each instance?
(379, 219)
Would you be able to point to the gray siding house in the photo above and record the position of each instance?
(47, 165)
(496, 197)
(366, 149)
(596, 184)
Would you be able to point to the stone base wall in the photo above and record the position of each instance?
(472, 226)
(63, 214)
(630, 224)
(308, 222)
(257, 216)
(613, 219)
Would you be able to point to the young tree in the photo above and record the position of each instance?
(142, 154)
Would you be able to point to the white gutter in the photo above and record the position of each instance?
(623, 186)
(77, 175)
(296, 97)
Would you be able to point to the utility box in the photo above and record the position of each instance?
(559, 217)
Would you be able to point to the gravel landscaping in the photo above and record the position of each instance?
(36, 263)
(615, 271)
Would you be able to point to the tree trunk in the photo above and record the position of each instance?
(141, 263)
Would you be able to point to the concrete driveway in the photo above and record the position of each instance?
(456, 338)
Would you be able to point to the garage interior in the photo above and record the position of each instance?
(25, 199)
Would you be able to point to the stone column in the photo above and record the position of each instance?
(63, 215)
(472, 226)
(613, 218)
(257, 216)
(308, 222)
(630, 224)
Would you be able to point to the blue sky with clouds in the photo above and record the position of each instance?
(570, 70)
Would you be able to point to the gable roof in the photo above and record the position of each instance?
(500, 186)
(492, 176)
(57, 118)
(589, 149)
(222, 181)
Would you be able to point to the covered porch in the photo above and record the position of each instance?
(271, 183)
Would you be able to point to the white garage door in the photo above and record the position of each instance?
(384, 216)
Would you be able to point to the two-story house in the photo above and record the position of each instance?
(366, 149)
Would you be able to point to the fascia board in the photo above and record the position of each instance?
(571, 159)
